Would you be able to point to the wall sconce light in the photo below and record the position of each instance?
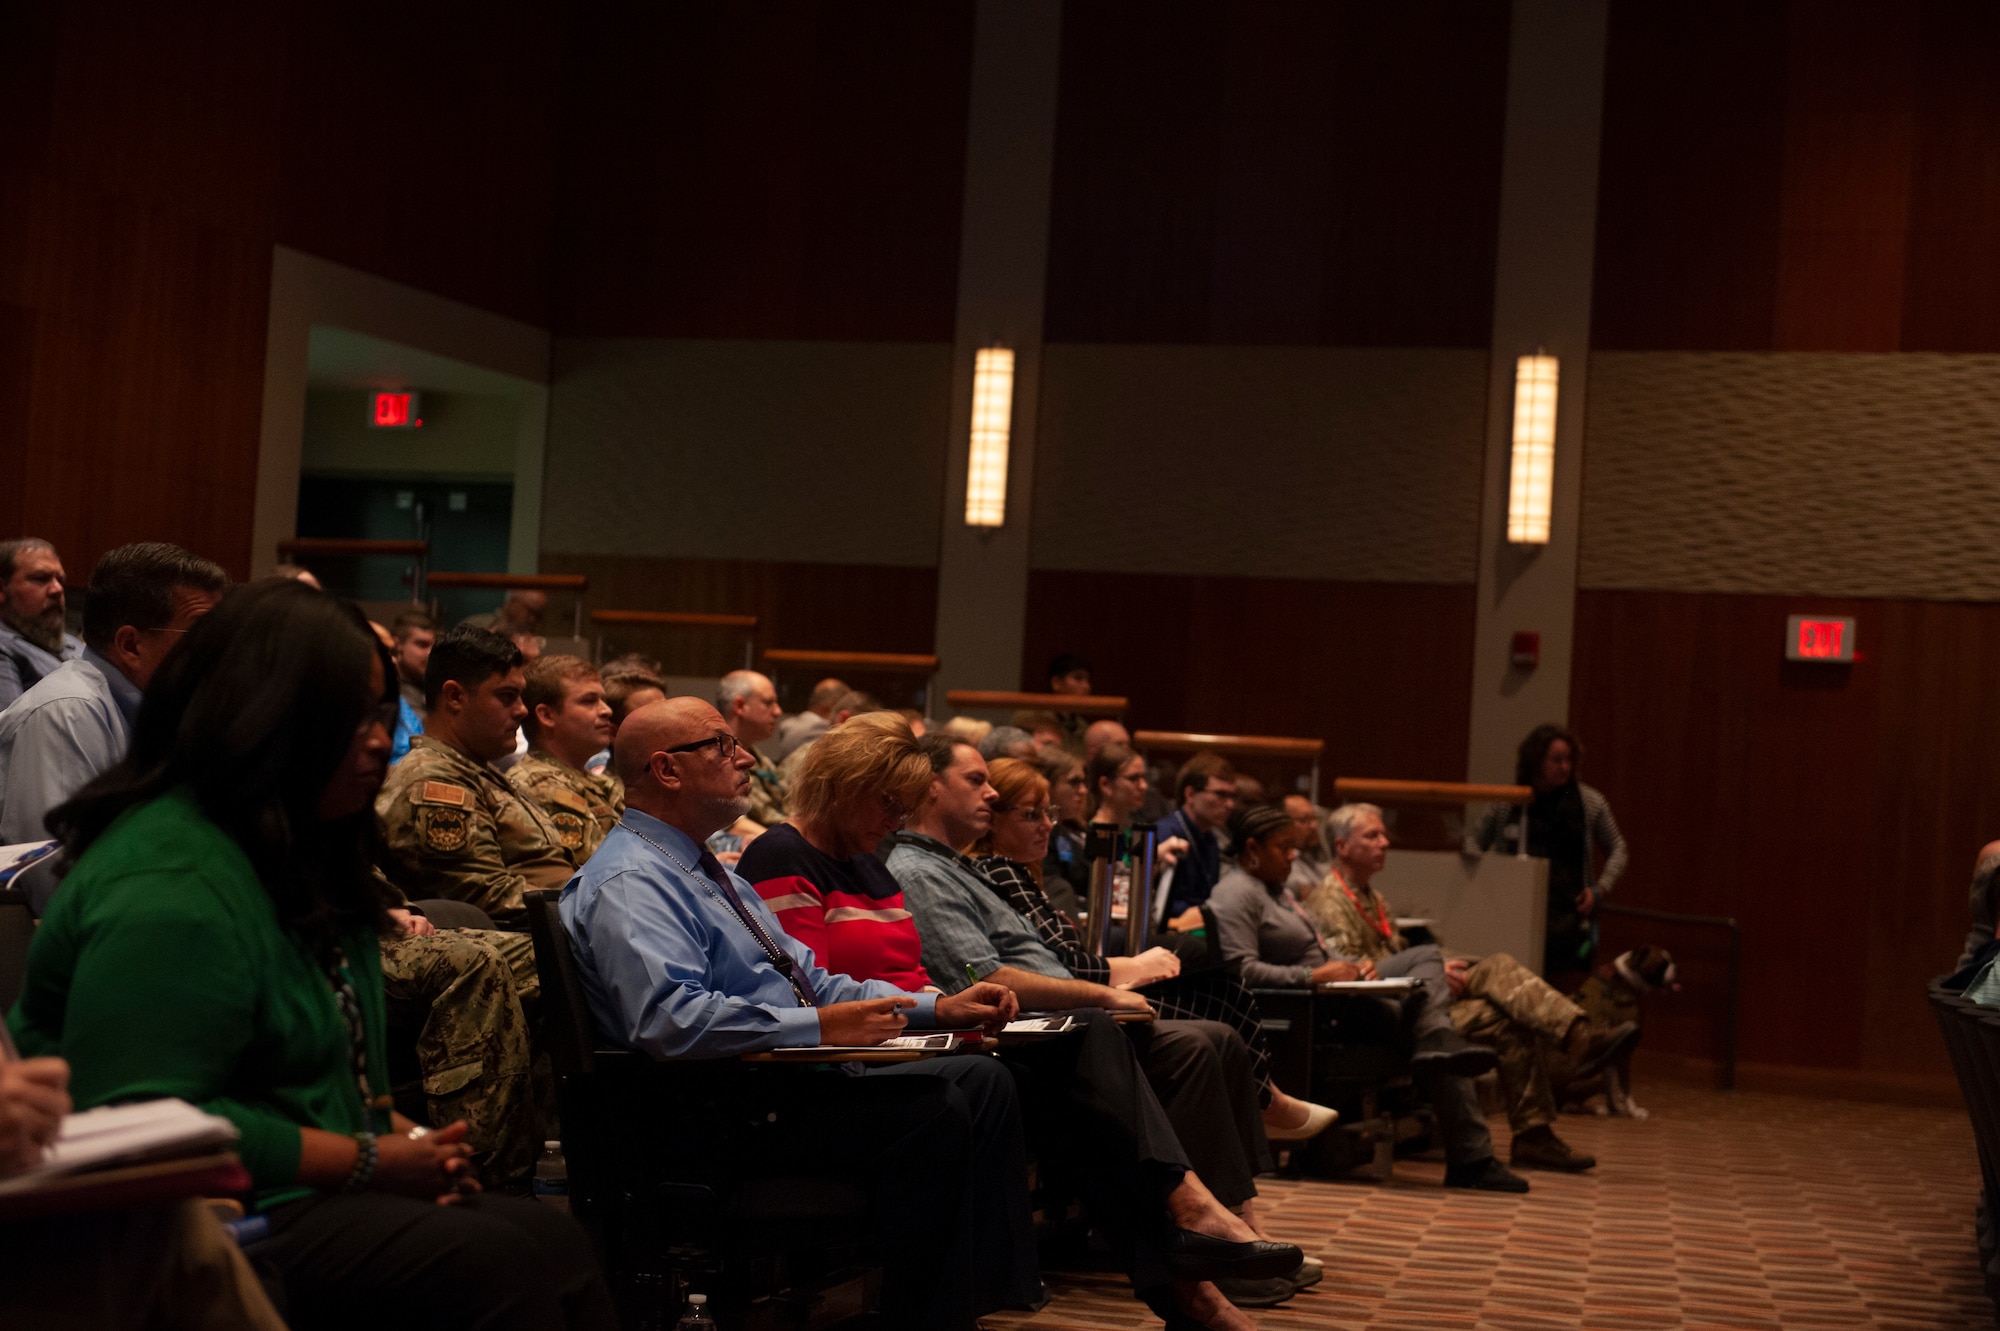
(992, 421)
(1532, 477)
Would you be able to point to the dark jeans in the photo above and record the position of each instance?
(490, 1264)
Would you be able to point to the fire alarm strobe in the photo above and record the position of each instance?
(1525, 651)
(1817, 638)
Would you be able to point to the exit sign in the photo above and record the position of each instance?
(1811, 638)
(393, 411)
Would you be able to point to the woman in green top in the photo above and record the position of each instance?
(216, 941)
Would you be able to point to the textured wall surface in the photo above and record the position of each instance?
(1349, 463)
(1793, 472)
(822, 452)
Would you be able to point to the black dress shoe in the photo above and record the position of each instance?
(1257, 1293)
(1487, 1175)
(1192, 1256)
(1455, 1054)
(1540, 1148)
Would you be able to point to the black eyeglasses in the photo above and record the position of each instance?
(725, 744)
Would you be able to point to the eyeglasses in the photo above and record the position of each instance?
(725, 744)
(1039, 814)
(894, 807)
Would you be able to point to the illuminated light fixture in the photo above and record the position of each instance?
(1532, 479)
(992, 420)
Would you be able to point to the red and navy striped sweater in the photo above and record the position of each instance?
(850, 912)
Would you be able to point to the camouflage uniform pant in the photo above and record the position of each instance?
(1514, 1010)
(460, 988)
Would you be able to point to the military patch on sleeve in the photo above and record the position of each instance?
(444, 830)
(441, 792)
(570, 828)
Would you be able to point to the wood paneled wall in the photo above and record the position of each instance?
(824, 607)
(1834, 810)
(1280, 174)
(1381, 671)
(1822, 175)
(786, 170)
(150, 159)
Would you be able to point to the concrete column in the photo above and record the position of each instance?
(1541, 300)
(1003, 259)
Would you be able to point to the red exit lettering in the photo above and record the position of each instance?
(1820, 638)
(392, 409)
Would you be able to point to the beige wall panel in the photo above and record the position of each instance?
(1793, 473)
(1310, 462)
(825, 452)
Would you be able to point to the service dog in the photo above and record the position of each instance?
(1614, 993)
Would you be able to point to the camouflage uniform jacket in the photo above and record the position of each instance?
(1352, 930)
(584, 806)
(453, 827)
(769, 802)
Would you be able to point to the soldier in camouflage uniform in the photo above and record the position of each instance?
(1495, 1001)
(567, 721)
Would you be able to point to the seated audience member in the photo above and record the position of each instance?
(918, 724)
(680, 959)
(850, 704)
(76, 722)
(297, 573)
(1045, 727)
(1103, 732)
(1206, 790)
(135, 1265)
(1249, 790)
(1570, 825)
(1007, 742)
(1011, 856)
(1201, 1070)
(1315, 857)
(821, 878)
(1979, 938)
(33, 602)
(748, 701)
(409, 721)
(1118, 792)
(415, 634)
(1496, 1001)
(966, 730)
(217, 940)
(1271, 940)
(1066, 869)
(520, 613)
(567, 721)
(451, 825)
(806, 726)
(1070, 674)
(627, 688)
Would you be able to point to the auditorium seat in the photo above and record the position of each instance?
(1349, 1052)
(17, 930)
(655, 1152)
(1971, 1034)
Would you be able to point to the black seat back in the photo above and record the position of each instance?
(17, 930)
(566, 1027)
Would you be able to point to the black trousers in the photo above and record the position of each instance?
(1096, 1124)
(1202, 1073)
(490, 1264)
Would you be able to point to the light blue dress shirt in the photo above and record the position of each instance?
(58, 737)
(671, 970)
(24, 664)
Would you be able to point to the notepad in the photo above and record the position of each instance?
(1400, 985)
(941, 1041)
(126, 1134)
(1040, 1026)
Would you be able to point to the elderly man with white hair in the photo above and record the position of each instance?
(748, 702)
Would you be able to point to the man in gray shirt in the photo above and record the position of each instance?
(77, 722)
(32, 606)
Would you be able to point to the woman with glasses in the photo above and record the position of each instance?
(1011, 856)
(217, 941)
(1117, 778)
(1065, 869)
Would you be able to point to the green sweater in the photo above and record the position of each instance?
(161, 970)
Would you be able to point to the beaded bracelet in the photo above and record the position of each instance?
(364, 1162)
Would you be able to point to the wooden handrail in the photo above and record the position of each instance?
(1428, 792)
(1252, 745)
(307, 547)
(896, 662)
(1081, 704)
(690, 618)
(508, 582)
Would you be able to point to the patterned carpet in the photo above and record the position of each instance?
(1745, 1211)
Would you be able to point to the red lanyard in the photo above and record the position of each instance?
(1382, 925)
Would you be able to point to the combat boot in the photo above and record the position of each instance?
(1540, 1148)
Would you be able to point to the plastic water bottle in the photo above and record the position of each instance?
(696, 1317)
(552, 1177)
